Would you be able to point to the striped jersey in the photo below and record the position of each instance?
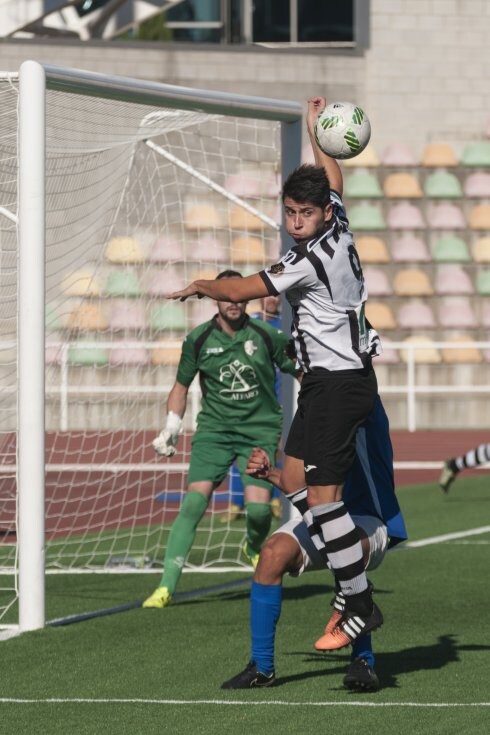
(324, 283)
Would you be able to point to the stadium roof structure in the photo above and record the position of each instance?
(78, 19)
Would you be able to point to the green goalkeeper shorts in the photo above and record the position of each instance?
(213, 453)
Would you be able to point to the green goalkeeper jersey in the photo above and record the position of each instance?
(237, 376)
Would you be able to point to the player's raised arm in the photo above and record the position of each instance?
(225, 289)
(334, 173)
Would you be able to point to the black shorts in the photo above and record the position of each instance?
(331, 407)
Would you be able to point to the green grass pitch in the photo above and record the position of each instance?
(148, 671)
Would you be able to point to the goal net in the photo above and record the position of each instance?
(147, 187)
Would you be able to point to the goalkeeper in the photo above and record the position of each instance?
(236, 358)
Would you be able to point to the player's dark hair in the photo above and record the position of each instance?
(308, 183)
(228, 274)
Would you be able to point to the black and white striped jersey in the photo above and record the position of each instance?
(324, 284)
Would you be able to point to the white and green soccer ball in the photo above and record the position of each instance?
(342, 130)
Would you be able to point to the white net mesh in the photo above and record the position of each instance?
(139, 202)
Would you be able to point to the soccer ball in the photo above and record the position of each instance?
(342, 130)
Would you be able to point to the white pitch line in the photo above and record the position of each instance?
(234, 702)
(445, 537)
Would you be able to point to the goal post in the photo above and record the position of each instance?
(129, 159)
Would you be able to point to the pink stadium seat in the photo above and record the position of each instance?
(477, 185)
(133, 356)
(453, 279)
(398, 154)
(456, 312)
(53, 352)
(446, 216)
(167, 249)
(389, 356)
(244, 184)
(404, 216)
(164, 282)
(377, 282)
(415, 315)
(127, 315)
(207, 250)
(408, 248)
(485, 314)
(202, 311)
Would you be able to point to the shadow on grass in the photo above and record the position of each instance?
(390, 665)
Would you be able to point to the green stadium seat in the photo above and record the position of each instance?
(52, 319)
(450, 249)
(85, 356)
(169, 317)
(476, 153)
(483, 282)
(366, 217)
(123, 283)
(442, 185)
(362, 185)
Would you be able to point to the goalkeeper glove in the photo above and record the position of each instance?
(165, 442)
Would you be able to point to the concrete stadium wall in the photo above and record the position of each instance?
(423, 77)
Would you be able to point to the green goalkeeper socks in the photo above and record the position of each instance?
(181, 538)
(258, 525)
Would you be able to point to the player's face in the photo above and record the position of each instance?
(230, 311)
(304, 221)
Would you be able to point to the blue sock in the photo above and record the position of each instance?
(362, 648)
(265, 609)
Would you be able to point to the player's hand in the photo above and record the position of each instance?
(316, 105)
(190, 290)
(258, 464)
(164, 444)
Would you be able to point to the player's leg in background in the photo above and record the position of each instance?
(474, 458)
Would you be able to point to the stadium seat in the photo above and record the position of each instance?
(245, 184)
(402, 186)
(483, 282)
(247, 250)
(408, 248)
(122, 283)
(405, 216)
(169, 317)
(131, 356)
(484, 320)
(53, 354)
(202, 217)
(481, 250)
(426, 354)
(207, 250)
(241, 219)
(412, 282)
(456, 312)
(372, 249)
(476, 153)
(205, 275)
(380, 315)
(461, 355)
(452, 279)
(450, 249)
(366, 217)
(87, 317)
(479, 217)
(367, 159)
(398, 154)
(81, 283)
(165, 250)
(166, 353)
(125, 250)
(87, 356)
(439, 154)
(446, 216)
(362, 185)
(202, 311)
(415, 315)
(389, 355)
(127, 316)
(442, 185)
(164, 282)
(377, 282)
(477, 185)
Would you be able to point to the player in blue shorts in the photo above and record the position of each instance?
(369, 495)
